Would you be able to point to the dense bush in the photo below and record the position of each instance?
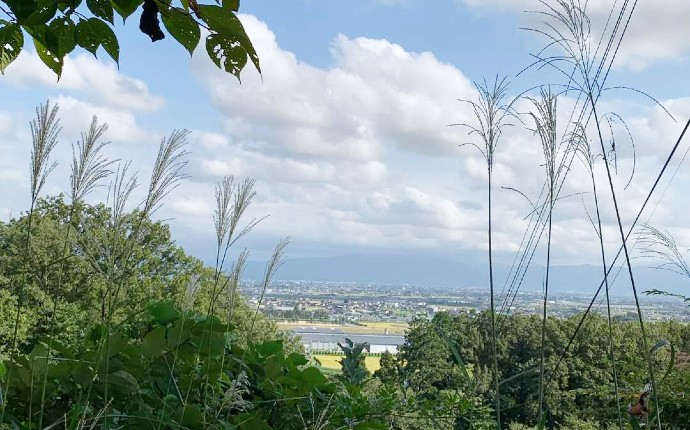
(173, 369)
(439, 352)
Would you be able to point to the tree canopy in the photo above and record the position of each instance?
(72, 299)
(58, 27)
(449, 356)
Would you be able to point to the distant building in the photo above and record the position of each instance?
(325, 339)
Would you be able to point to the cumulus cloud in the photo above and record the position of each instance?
(97, 80)
(376, 93)
(76, 116)
(359, 154)
(657, 31)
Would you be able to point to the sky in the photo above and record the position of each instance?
(347, 134)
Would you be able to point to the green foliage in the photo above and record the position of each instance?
(389, 372)
(57, 27)
(579, 395)
(159, 270)
(106, 322)
(354, 370)
(175, 368)
(153, 374)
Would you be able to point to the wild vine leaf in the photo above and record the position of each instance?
(32, 12)
(233, 5)
(11, 43)
(125, 8)
(51, 60)
(45, 10)
(124, 382)
(182, 27)
(93, 33)
(59, 26)
(154, 343)
(60, 37)
(101, 8)
(226, 53)
(22, 8)
(223, 22)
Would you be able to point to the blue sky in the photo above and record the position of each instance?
(347, 133)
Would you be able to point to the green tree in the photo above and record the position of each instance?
(58, 27)
(389, 372)
(158, 270)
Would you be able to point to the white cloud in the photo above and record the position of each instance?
(359, 153)
(657, 31)
(97, 80)
(375, 94)
(76, 115)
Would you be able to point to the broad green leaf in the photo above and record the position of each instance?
(68, 6)
(101, 8)
(60, 370)
(233, 5)
(182, 27)
(125, 8)
(38, 359)
(92, 33)
(124, 382)
(269, 348)
(117, 344)
(226, 53)
(225, 23)
(60, 37)
(273, 367)
(179, 333)
(211, 343)
(209, 324)
(163, 312)
(53, 62)
(22, 9)
(37, 32)
(154, 342)
(298, 359)
(44, 12)
(313, 376)
(11, 43)
(83, 374)
(3, 370)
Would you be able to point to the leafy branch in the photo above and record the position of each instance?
(58, 27)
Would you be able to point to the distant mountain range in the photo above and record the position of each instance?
(443, 271)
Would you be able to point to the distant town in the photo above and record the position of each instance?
(340, 302)
(322, 315)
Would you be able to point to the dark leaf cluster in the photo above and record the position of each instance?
(58, 27)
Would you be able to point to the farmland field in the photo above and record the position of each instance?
(392, 327)
(330, 361)
(365, 328)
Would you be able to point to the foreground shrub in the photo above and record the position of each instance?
(177, 369)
